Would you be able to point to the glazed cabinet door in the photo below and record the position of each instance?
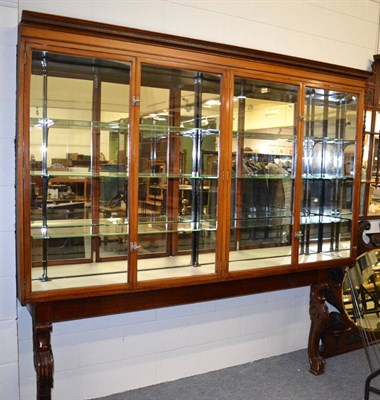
(370, 178)
(263, 169)
(179, 133)
(77, 150)
(328, 172)
(370, 190)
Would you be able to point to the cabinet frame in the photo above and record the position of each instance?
(222, 259)
(171, 57)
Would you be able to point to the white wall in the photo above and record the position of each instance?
(8, 312)
(100, 356)
(341, 32)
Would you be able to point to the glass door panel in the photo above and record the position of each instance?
(328, 174)
(178, 171)
(113, 169)
(370, 187)
(70, 123)
(263, 162)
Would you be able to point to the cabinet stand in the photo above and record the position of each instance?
(319, 316)
(45, 314)
(331, 333)
(43, 354)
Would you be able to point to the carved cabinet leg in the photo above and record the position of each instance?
(319, 315)
(43, 358)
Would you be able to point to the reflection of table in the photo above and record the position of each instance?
(77, 184)
(156, 195)
(65, 209)
(66, 237)
(62, 240)
(108, 212)
(366, 297)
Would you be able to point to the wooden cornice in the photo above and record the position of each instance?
(85, 27)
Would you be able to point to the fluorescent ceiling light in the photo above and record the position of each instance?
(212, 102)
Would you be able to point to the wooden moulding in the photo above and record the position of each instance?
(80, 26)
(136, 301)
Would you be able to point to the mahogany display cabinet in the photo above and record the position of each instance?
(155, 170)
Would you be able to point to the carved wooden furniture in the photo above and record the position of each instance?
(337, 333)
(252, 156)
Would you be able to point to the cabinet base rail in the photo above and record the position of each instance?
(44, 314)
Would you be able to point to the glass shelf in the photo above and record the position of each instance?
(261, 222)
(70, 124)
(163, 131)
(114, 226)
(74, 173)
(328, 140)
(77, 228)
(263, 176)
(259, 135)
(177, 176)
(327, 177)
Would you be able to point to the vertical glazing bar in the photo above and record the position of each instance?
(339, 169)
(364, 189)
(238, 183)
(322, 193)
(45, 176)
(333, 226)
(197, 144)
(95, 163)
(306, 243)
(312, 113)
(334, 181)
(174, 168)
(338, 118)
(310, 109)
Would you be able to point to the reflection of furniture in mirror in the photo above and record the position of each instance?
(110, 183)
(77, 187)
(361, 289)
(68, 247)
(156, 187)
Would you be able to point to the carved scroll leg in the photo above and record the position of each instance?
(43, 358)
(319, 316)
